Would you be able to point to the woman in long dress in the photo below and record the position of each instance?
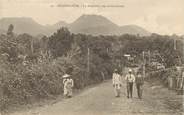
(68, 85)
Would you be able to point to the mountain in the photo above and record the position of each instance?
(93, 24)
(86, 24)
(28, 25)
(23, 25)
(99, 25)
(133, 29)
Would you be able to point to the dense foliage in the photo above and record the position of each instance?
(32, 68)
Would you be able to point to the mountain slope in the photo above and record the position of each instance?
(92, 24)
(28, 25)
(97, 25)
(133, 29)
(23, 25)
(86, 24)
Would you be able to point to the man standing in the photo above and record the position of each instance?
(182, 80)
(139, 80)
(130, 79)
(116, 80)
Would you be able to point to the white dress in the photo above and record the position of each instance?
(68, 85)
(116, 79)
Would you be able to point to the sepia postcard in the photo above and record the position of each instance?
(91, 57)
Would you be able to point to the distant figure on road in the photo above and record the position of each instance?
(116, 80)
(68, 85)
(130, 79)
(182, 80)
(139, 80)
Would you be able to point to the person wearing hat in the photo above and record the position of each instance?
(68, 85)
(116, 80)
(130, 79)
(139, 80)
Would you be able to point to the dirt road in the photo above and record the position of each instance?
(100, 100)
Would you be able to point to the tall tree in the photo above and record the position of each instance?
(10, 30)
(60, 42)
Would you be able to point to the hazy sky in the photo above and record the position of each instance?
(160, 16)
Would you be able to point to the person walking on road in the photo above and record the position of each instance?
(139, 80)
(182, 80)
(68, 85)
(130, 79)
(116, 80)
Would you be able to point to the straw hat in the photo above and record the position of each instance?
(130, 70)
(116, 70)
(66, 76)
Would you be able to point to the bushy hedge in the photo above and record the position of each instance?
(27, 83)
(48, 59)
(23, 84)
(163, 75)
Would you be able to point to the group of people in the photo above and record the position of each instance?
(130, 79)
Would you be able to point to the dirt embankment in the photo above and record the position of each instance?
(171, 98)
